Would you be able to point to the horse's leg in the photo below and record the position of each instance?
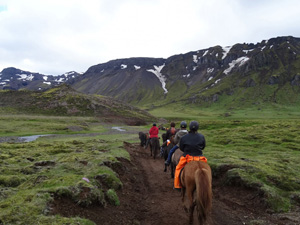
(172, 170)
(182, 199)
(190, 193)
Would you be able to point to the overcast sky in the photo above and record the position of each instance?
(58, 36)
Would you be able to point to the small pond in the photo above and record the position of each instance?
(118, 128)
(32, 137)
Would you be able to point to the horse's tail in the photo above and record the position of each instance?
(203, 193)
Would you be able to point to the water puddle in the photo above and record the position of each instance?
(118, 128)
(32, 137)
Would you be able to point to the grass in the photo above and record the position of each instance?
(263, 154)
(260, 150)
(33, 173)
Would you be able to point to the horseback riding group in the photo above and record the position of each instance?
(183, 150)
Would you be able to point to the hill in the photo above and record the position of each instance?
(243, 74)
(65, 101)
(238, 76)
(15, 79)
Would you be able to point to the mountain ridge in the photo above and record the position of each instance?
(199, 77)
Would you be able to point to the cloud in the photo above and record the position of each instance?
(55, 36)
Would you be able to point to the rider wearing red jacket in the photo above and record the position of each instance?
(153, 132)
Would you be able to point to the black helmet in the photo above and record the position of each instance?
(183, 124)
(154, 124)
(194, 125)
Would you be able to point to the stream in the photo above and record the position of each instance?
(14, 139)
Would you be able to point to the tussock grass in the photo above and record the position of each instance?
(260, 153)
(257, 149)
(33, 173)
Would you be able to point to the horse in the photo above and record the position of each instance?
(175, 160)
(164, 137)
(154, 146)
(196, 177)
(167, 148)
(143, 138)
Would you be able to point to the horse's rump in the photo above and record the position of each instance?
(175, 160)
(154, 146)
(196, 176)
(143, 138)
(176, 157)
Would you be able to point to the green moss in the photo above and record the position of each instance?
(112, 197)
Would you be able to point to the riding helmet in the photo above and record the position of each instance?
(194, 126)
(154, 124)
(183, 124)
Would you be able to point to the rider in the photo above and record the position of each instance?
(192, 145)
(153, 133)
(171, 131)
(176, 141)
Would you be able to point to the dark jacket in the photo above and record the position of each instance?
(192, 144)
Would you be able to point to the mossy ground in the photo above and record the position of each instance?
(260, 151)
(77, 166)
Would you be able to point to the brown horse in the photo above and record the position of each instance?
(167, 148)
(175, 160)
(154, 146)
(196, 178)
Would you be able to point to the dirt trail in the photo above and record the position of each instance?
(147, 198)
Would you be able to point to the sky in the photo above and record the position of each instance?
(57, 36)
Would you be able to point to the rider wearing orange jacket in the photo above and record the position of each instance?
(192, 145)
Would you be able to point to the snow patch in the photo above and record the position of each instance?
(205, 53)
(45, 78)
(2, 83)
(69, 73)
(195, 59)
(159, 75)
(210, 70)
(246, 51)
(137, 67)
(60, 80)
(49, 83)
(263, 48)
(123, 66)
(194, 68)
(210, 78)
(240, 61)
(187, 76)
(102, 71)
(25, 77)
(217, 81)
(226, 50)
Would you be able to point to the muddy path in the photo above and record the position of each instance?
(147, 197)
